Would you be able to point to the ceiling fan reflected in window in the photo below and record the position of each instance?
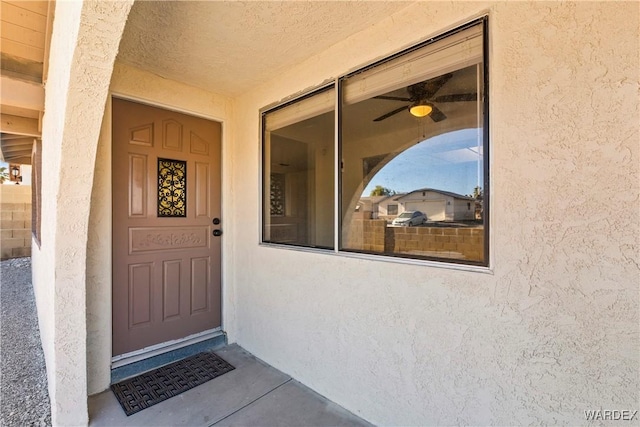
(422, 100)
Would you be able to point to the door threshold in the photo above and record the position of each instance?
(152, 362)
(158, 349)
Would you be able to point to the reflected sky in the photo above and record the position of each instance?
(450, 162)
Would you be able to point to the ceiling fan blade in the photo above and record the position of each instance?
(437, 115)
(432, 86)
(457, 97)
(390, 113)
(393, 98)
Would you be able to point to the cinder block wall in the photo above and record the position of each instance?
(15, 221)
(457, 243)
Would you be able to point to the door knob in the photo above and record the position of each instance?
(216, 221)
(217, 233)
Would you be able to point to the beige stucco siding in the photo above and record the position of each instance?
(553, 329)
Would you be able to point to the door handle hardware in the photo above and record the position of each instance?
(216, 221)
(217, 233)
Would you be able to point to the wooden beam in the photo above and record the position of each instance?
(14, 149)
(21, 94)
(12, 145)
(22, 112)
(16, 157)
(20, 50)
(12, 156)
(22, 67)
(9, 137)
(19, 125)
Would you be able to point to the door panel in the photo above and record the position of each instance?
(171, 289)
(202, 190)
(166, 263)
(138, 186)
(140, 289)
(199, 289)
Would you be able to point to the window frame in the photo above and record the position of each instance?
(36, 191)
(262, 214)
(337, 84)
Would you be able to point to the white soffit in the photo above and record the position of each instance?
(230, 47)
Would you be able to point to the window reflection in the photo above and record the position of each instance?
(299, 173)
(412, 186)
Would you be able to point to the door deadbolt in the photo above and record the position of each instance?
(216, 221)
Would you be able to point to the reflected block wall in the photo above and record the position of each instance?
(440, 242)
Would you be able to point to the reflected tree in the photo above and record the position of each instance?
(379, 190)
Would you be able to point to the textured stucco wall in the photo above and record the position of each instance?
(84, 44)
(143, 87)
(553, 330)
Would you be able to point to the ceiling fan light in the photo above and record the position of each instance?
(420, 109)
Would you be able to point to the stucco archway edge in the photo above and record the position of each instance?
(84, 44)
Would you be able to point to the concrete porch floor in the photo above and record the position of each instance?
(254, 394)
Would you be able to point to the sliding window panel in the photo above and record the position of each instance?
(412, 148)
(298, 172)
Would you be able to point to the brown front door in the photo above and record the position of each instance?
(166, 196)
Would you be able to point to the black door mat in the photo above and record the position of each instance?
(145, 390)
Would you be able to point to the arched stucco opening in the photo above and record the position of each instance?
(84, 45)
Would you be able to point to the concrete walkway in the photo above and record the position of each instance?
(24, 399)
(254, 394)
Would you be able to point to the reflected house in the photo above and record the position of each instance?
(378, 207)
(438, 205)
(388, 208)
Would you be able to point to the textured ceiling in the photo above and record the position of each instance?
(229, 47)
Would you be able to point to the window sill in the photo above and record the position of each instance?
(383, 258)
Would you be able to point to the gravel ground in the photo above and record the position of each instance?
(24, 399)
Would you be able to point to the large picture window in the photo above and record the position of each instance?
(412, 142)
